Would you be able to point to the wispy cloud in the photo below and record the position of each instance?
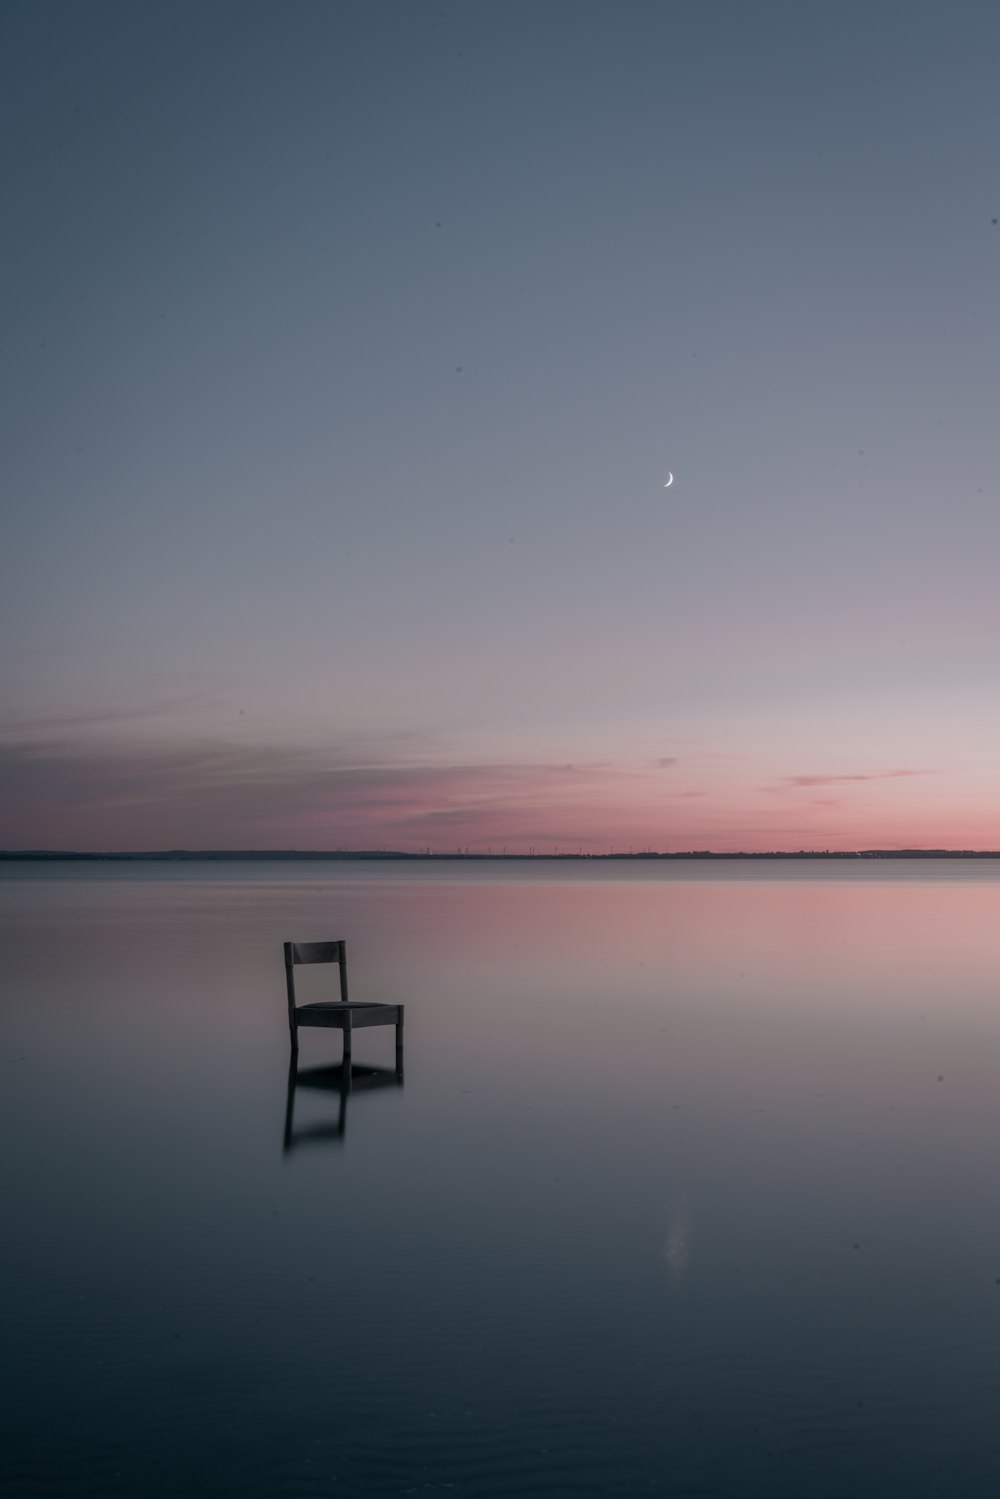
(229, 795)
(51, 729)
(843, 780)
(68, 790)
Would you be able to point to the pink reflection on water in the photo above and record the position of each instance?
(808, 1001)
(798, 946)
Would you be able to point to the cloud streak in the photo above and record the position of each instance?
(128, 794)
(843, 780)
(236, 796)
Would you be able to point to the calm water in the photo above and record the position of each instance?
(691, 1186)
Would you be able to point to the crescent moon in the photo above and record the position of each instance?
(670, 480)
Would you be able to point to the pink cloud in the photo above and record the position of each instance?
(839, 780)
(61, 794)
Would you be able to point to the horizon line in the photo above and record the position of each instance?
(428, 854)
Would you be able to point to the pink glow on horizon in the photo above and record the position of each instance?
(242, 797)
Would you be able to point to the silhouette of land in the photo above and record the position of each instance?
(177, 855)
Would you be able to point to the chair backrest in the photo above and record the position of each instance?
(314, 952)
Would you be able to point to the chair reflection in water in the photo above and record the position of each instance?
(343, 1014)
(343, 1081)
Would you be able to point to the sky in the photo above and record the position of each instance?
(346, 349)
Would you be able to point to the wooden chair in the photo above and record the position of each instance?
(341, 1014)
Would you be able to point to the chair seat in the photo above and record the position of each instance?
(335, 1013)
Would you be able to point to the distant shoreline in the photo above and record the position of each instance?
(174, 856)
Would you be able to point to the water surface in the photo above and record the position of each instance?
(689, 1186)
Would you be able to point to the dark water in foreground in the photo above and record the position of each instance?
(691, 1188)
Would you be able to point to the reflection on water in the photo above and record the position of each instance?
(677, 1251)
(339, 1081)
(691, 1187)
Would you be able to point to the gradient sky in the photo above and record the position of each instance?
(345, 351)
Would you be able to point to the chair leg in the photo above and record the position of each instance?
(288, 1138)
(399, 1041)
(293, 1035)
(347, 1041)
